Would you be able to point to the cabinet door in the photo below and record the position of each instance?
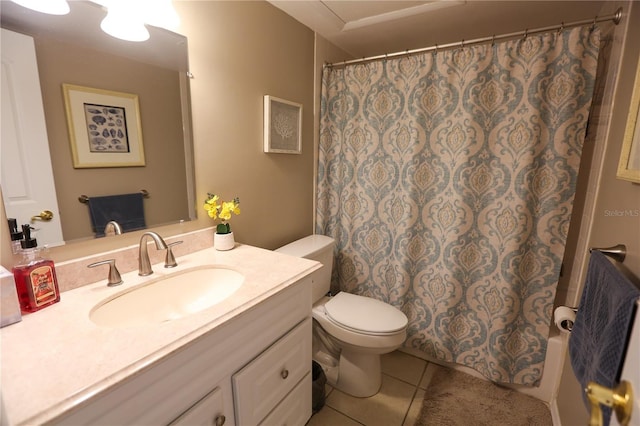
(209, 411)
(266, 380)
(295, 409)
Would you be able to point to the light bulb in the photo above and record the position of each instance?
(124, 25)
(52, 7)
(160, 13)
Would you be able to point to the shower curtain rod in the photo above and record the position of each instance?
(616, 18)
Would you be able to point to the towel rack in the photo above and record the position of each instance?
(617, 252)
(85, 199)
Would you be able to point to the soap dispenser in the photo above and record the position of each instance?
(16, 236)
(35, 276)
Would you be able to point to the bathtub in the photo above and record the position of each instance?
(554, 360)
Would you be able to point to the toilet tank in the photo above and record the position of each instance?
(318, 248)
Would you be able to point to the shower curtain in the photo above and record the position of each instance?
(447, 180)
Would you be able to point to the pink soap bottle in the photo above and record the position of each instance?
(35, 276)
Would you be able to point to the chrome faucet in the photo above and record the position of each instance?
(113, 226)
(144, 265)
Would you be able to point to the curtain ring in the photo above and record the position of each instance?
(436, 51)
(462, 44)
(595, 21)
(493, 40)
(526, 34)
(561, 29)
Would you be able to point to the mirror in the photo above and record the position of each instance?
(71, 49)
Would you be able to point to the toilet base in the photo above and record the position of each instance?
(329, 365)
(359, 374)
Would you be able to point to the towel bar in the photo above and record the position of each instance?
(85, 199)
(617, 252)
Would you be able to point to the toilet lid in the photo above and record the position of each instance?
(365, 314)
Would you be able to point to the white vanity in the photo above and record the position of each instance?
(243, 361)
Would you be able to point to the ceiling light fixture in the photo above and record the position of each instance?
(160, 13)
(52, 7)
(123, 23)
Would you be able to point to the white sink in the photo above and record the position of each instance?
(168, 298)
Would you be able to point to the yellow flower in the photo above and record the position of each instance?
(211, 206)
(229, 207)
(212, 199)
(223, 211)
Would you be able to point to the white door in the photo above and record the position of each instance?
(631, 370)
(621, 398)
(26, 176)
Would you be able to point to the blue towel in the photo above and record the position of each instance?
(126, 209)
(599, 336)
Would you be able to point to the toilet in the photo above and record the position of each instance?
(350, 332)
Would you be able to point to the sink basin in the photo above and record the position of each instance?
(168, 298)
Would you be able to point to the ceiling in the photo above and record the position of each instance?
(81, 26)
(367, 28)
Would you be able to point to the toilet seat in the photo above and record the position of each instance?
(364, 315)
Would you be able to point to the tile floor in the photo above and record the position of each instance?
(404, 379)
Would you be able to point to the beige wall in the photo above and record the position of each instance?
(602, 227)
(158, 93)
(158, 90)
(239, 52)
(576, 254)
(616, 217)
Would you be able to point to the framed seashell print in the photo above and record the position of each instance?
(629, 165)
(104, 127)
(282, 126)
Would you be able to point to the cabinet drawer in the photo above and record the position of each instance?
(295, 409)
(206, 412)
(265, 381)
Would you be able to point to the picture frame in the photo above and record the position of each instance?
(104, 126)
(282, 126)
(629, 164)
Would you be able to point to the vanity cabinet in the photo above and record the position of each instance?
(209, 411)
(255, 368)
(262, 384)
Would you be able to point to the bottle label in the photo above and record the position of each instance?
(43, 285)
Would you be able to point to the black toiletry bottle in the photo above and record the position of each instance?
(35, 276)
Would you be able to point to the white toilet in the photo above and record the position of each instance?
(350, 332)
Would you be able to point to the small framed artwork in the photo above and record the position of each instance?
(629, 164)
(282, 126)
(104, 127)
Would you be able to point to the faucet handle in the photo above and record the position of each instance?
(114, 275)
(170, 260)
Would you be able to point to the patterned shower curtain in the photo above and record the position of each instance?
(447, 180)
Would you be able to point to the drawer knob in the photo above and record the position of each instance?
(284, 373)
(219, 421)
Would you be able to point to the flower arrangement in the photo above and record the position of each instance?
(222, 211)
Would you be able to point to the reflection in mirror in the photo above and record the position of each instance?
(71, 49)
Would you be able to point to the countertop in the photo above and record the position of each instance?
(56, 358)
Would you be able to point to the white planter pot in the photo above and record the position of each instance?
(224, 241)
